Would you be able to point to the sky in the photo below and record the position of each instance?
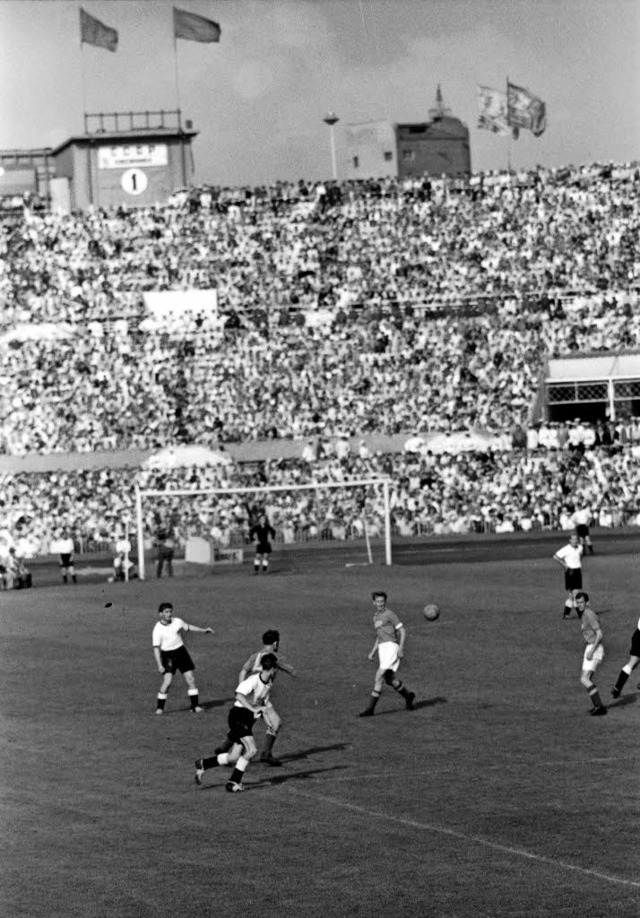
(258, 97)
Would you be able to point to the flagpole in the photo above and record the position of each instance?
(510, 131)
(177, 75)
(175, 58)
(83, 75)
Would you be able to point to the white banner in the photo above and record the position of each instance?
(167, 303)
(130, 155)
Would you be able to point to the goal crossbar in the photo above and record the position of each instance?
(141, 493)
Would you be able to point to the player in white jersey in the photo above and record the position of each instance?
(252, 696)
(172, 655)
(272, 720)
(628, 668)
(581, 520)
(570, 557)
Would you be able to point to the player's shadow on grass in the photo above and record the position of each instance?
(280, 778)
(216, 703)
(417, 705)
(296, 756)
(622, 702)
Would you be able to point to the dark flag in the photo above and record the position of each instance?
(526, 110)
(94, 32)
(194, 27)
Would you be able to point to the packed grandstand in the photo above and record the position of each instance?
(346, 310)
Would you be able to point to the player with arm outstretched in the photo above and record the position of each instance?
(171, 655)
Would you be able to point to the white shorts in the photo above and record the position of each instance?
(388, 655)
(591, 665)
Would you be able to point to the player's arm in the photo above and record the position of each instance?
(247, 669)
(188, 627)
(156, 653)
(402, 636)
(560, 560)
(372, 652)
(285, 667)
(598, 639)
(245, 701)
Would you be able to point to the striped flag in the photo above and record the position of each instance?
(492, 110)
(94, 32)
(524, 110)
(194, 27)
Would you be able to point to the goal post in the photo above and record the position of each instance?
(143, 494)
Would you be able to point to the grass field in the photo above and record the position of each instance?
(498, 796)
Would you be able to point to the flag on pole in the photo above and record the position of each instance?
(94, 32)
(194, 27)
(492, 110)
(524, 110)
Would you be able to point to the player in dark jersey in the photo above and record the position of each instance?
(389, 644)
(628, 668)
(262, 532)
(593, 652)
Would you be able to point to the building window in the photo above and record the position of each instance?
(356, 162)
(409, 155)
(388, 157)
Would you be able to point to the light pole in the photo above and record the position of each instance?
(332, 119)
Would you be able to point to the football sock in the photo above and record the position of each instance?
(269, 740)
(373, 700)
(162, 700)
(625, 672)
(256, 567)
(211, 762)
(265, 566)
(193, 697)
(594, 695)
(239, 770)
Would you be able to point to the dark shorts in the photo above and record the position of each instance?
(635, 644)
(66, 560)
(241, 722)
(573, 578)
(582, 530)
(179, 659)
(263, 548)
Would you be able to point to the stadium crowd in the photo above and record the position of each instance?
(371, 307)
(430, 493)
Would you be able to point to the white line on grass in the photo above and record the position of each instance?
(477, 840)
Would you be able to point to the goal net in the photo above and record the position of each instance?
(352, 518)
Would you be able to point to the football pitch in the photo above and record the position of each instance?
(498, 796)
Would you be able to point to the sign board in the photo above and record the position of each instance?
(130, 156)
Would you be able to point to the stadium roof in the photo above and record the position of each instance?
(605, 366)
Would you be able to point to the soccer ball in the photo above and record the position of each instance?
(431, 612)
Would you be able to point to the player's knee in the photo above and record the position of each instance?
(585, 679)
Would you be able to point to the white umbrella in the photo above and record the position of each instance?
(458, 442)
(37, 331)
